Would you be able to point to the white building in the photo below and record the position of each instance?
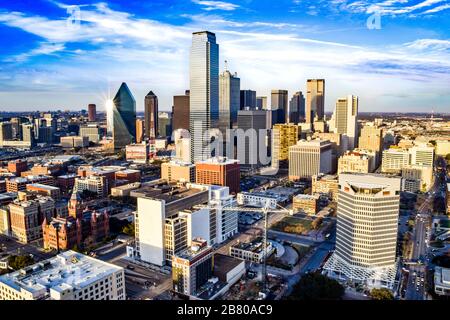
(309, 158)
(256, 199)
(344, 120)
(367, 223)
(394, 159)
(422, 155)
(95, 184)
(68, 276)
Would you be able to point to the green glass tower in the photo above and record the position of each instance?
(123, 117)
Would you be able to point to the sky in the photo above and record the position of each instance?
(393, 54)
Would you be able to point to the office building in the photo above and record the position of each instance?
(442, 281)
(204, 92)
(140, 130)
(20, 183)
(296, 112)
(422, 155)
(28, 134)
(309, 158)
(74, 142)
(394, 159)
(178, 171)
(417, 178)
(17, 166)
(442, 147)
(354, 162)
(164, 124)
(183, 149)
(279, 101)
(181, 111)
(229, 100)
(247, 99)
(305, 203)
(261, 103)
(67, 276)
(219, 171)
(92, 112)
(252, 136)
(95, 184)
(122, 117)
(6, 132)
(138, 152)
(283, 137)
(325, 185)
(252, 251)
(91, 131)
(27, 217)
(344, 120)
(315, 100)
(367, 226)
(151, 115)
(371, 138)
(44, 190)
(192, 268)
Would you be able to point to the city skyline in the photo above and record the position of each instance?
(55, 63)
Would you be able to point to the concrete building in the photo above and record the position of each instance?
(17, 167)
(442, 281)
(367, 226)
(394, 159)
(296, 111)
(164, 124)
(371, 138)
(180, 114)
(140, 130)
(247, 100)
(315, 100)
(192, 268)
(151, 115)
(68, 276)
(261, 103)
(219, 171)
(417, 178)
(183, 149)
(91, 131)
(20, 184)
(344, 120)
(74, 142)
(442, 147)
(422, 155)
(354, 162)
(309, 158)
(326, 184)
(92, 112)
(283, 137)
(306, 203)
(251, 251)
(44, 190)
(95, 184)
(138, 153)
(279, 101)
(178, 171)
(204, 92)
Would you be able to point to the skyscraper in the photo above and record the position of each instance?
(345, 118)
(139, 130)
(151, 115)
(229, 100)
(367, 223)
(164, 124)
(371, 138)
(248, 99)
(204, 92)
(279, 100)
(296, 108)
(180, 111)
(283, 136)
(123, 113)
(261, 103)
(92, 112)
(309, 158)
(315, 99)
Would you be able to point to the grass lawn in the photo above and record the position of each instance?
(293, 225)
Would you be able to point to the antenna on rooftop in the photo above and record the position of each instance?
(226, 65)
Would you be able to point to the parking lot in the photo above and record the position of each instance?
(10, 246)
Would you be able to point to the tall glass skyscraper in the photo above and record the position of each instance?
(123, 117)
(204, 92)
(229, 100)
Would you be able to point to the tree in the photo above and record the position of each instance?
(447, 157)
(381, 294)
(19, 262)
(315, 286)
(317, 223)
(129, 229)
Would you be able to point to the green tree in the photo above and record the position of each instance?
(19, 262)
(129, 229)
(315, 286)
(381, 294)
(447, 157)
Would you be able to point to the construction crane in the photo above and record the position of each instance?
(268, 208)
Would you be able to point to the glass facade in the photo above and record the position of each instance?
(124, 117)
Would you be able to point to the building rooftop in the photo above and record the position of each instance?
(442, 277)
(218, 160)
(43, 186)
(306, 197)
(224, 263)
(68, 270)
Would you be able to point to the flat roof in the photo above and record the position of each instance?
(224, 263)
(43, 186)
(67, 270)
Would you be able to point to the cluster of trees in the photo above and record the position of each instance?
(129, 229)
(19, 262)
(315, 286)
(298, 229)
(381, 294)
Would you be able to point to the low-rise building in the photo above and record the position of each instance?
(442, 281)
(326, 184)
(251, 251)
(306, 203)
(178, 171)
(68, 276)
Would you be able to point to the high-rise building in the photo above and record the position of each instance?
(422, 155)
(123, 117)
(16, 124)
(164, 124)
(279, 101)
(6, 132)
(192, 268)
(183, 149)
(353, 162)
(283, 136)
(139, 130)
(394, 159)
(367, 225)
(92, 112)
(247, 99)
(371, 138)
(417, 178)
(344, 120)
(219, 171)
(28, 134)
(204, 92)
(325, 184)
(91, 131)
(252, 135)
(309, 158)
(296, 108)
(315, 100)
(261, 103)
(229, 100)
(151, 115)
(178, 171)
(68, 276)
(181, 111)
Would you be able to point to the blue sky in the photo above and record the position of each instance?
(49, 61)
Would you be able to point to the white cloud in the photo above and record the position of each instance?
(216, 5)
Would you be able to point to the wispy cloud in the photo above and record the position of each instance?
(216, 5)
